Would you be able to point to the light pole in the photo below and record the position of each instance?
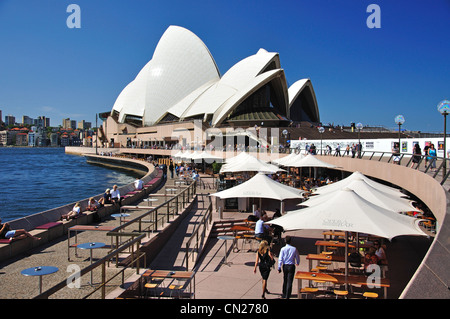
(321, 130)
(444, 108)
(359, 126)
(96, 133)
(399, 120)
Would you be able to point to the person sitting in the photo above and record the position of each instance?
(93, 205)
(138, 184)
(7, 233)
(106, 199)
(370, 259)
(262, 230)
(380, 253)
(115, 196)
(75, 212)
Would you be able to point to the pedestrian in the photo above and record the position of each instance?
(417, 154)
(264, 259)
(425, 151)
(432, 157)
(171, 167)
(288, 258)
(338, 150)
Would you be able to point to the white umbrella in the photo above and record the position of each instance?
(242, 156)
(345, 210)
(186, 155)
(248, 163)
(261, 186)
(368, 192)
(285, 161)
(308, 161)
(281, 161)
(355, 176)
(205, 156)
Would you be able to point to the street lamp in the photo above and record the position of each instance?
(444, 108)
(399, 120)
(321, 130)
(359, 126)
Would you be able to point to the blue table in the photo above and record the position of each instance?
(91, 246)
(39, 271)
(120, 216)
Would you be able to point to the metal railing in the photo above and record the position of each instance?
(100, 263)
(198, 237)
(170, 208)
(425, 163)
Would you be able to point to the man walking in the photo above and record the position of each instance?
(289, 258)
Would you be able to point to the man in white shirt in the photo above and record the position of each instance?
(288, 258)
(262, 230)
(115, 195)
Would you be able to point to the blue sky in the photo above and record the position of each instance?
(359, 74)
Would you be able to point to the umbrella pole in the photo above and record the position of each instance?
(346, 258)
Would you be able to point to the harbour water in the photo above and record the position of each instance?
(33, 180)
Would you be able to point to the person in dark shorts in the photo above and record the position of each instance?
(264, 259)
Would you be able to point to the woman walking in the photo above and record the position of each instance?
(265, 260)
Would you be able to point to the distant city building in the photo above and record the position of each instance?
(32, 138)
(21, 139)
(66, 123)
(83, 125)
(7, 137)
(26, 120)
(10, 120)
(42, 121)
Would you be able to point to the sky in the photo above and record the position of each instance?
(359, 74)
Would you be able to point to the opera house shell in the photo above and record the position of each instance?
(182, 82)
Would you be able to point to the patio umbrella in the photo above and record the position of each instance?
(205, 156)
(355, 176)
(285, 161)
(308, 161)
(248, 163)
(282, 160)
(261, 186)
(365, 190)
(347, 211)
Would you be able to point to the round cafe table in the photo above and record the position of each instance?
(120, 216)
(91, 246)
(148, 200)
(226, 238)
(39, 271)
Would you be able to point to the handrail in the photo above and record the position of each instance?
(179, 205)
(180, 199)
(371, 155)
(101, 262)
(205, 221)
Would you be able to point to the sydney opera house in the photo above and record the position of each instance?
(182, 84)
